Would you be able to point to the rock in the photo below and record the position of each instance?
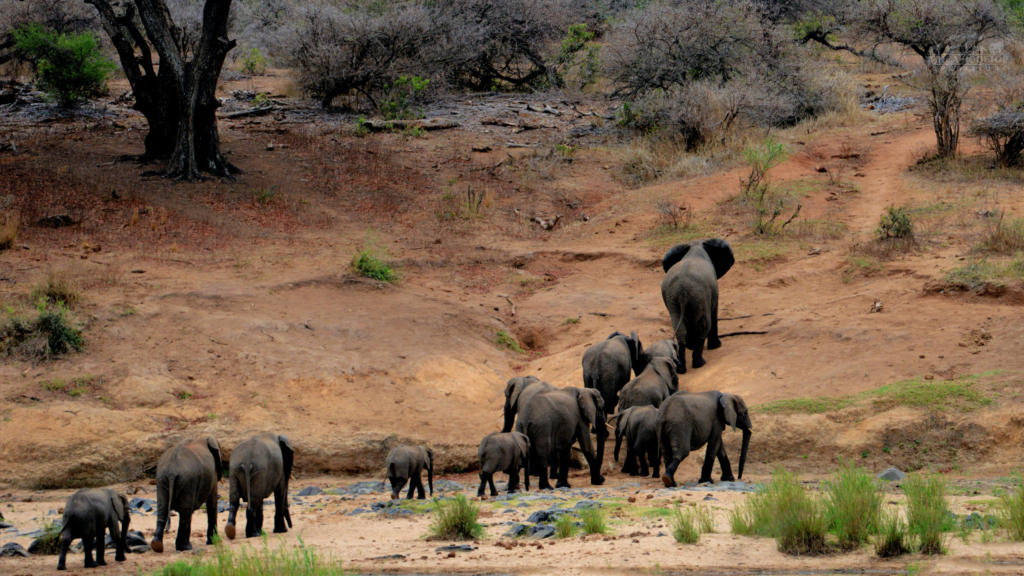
(456, 548)
(541, 531)
(508, 511)
(515, 531)
(13, 550)
(447, 486)
(146, 391)
(710, 497)
(311, 491)
(892, 474)
(4, 525)
(142, 504)
(631, 499)
(136, 538)
(359, 489)
(587, 504)
(390, 557)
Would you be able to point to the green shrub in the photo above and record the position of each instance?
(405, 92)
(895, 223)
(927, 512)
(565, 527)
(689, 524)
(594, 521)
(784, 511)
(891, 539)
(852, 503)
(246, 560)
(505, 340)
(70, 66)
(48, 335)
(48, 540)
(253, 62)
(369, 261)
(456, 519)
(1012, 512)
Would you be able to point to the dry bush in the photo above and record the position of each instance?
(649, 159)
(1003, 235)
(9, 231)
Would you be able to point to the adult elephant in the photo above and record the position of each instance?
(554, 420)
(638, 426)
(656, 383)
(259, 467)
(690, 292)
(518, 392)
(607, 366)
(688, 421)
(186, 478)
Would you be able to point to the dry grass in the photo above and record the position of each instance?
(56, 287)
(9, 231)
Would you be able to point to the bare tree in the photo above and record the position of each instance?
(945, 34)
(177, 98)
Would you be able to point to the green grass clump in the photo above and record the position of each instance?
(1011, 506)
(852, 504)
(505, 340)
(368, 264)
(806, 405)
(48, 541)
(456, 519)
(784, 511)
(891, 539)
(565, 527)
(927, 512)
(244, 560)
(48, 335)
(594, 521)
(689, 523)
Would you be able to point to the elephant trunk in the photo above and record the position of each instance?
(430, 476)
(743, 451)
(510, 417)
(618, 444)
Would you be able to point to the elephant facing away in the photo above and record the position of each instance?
(690, 292)
(556, 419)
(656, 383)
(661, 349)
(260, 466)
(518, 392)
(504, 452)
(638, 425)
(607, 366)
(186, 478)
(88, 514)
(688, 421)
(405, 464)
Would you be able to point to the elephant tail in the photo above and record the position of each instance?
(166, 520)
(248, 485)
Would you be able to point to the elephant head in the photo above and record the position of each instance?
(214, 447)
(523, 442)
(620, 428)
(737, 415)
(513, 388)
(591, 406)
(717, 250)
(287, 457)
(666, 369)
(428, 457)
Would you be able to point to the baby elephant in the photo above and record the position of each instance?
(404, 464)
(259, 467)
(504, 452)
(88, 514)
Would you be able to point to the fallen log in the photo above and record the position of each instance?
(427, 124)
(259, 111)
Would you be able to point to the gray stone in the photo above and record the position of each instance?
(541, 531)
(389, 557)
(892, 474)
(456, 548)
(310, 491)
(13, 550)
(515, 531)
(4, 525)
(135, 538)
(508, 511)
(448, 486)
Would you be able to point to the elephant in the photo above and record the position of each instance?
(186, 478)
(661, 349)
(259, 467)
(504, 452)
(518, 392)
(404, 464)
(638, 425)
(656, 383)
(88, 514)
(607, 366)
(690, 292)
(554, 420)
(688, 421)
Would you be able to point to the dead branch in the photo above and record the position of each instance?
(258, 111)
(745, 333)
(428, 124)
(747, 316)
(601, 314)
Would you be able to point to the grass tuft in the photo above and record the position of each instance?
(689, 523)
(505, 340)
(594, 520)
(456, 519)
(246, 560)
(891, 539)
(8, 231)
(927, 512)
(48, 335)
(565, 527)
(370, 262)
(56, 287)
(852, 504)
(784, 511)
(48, 541)
(1012, 511)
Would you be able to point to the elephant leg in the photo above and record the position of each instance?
(65, 544)
(181, 543)
(629, 467)
(542, 474)
(723, 462)
(714, 342)
(675, 453)
(234, 497)
(698, 354)
(483, 483)
(412, 488)
(490, 481)
(396, 486)
(655, 460)
(709, 458)
(119, 544)
(211, 517)
(554, 465)
(257, 518)
(101, 545)
(280, 506)
(513, 481)
(420, 493)
(563, 468)
(642, 456)
(87, 543)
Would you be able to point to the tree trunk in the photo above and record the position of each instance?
(179, 100)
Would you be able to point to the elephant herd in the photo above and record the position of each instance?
(186, 480)
(622, 382)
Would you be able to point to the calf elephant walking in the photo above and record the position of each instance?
(89, 514)
(504, 452)
(688, 421)
(405, 464)
(259, 467)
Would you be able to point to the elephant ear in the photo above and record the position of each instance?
(214, 447)
(589, 401)
(287, 455)
(675, 254)
(728, 403)
(620, 426)
(666, 369)
(636, 349)
(614, 334)
(515, 388)
(523, 443)
(721, 255)
(120, 504)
